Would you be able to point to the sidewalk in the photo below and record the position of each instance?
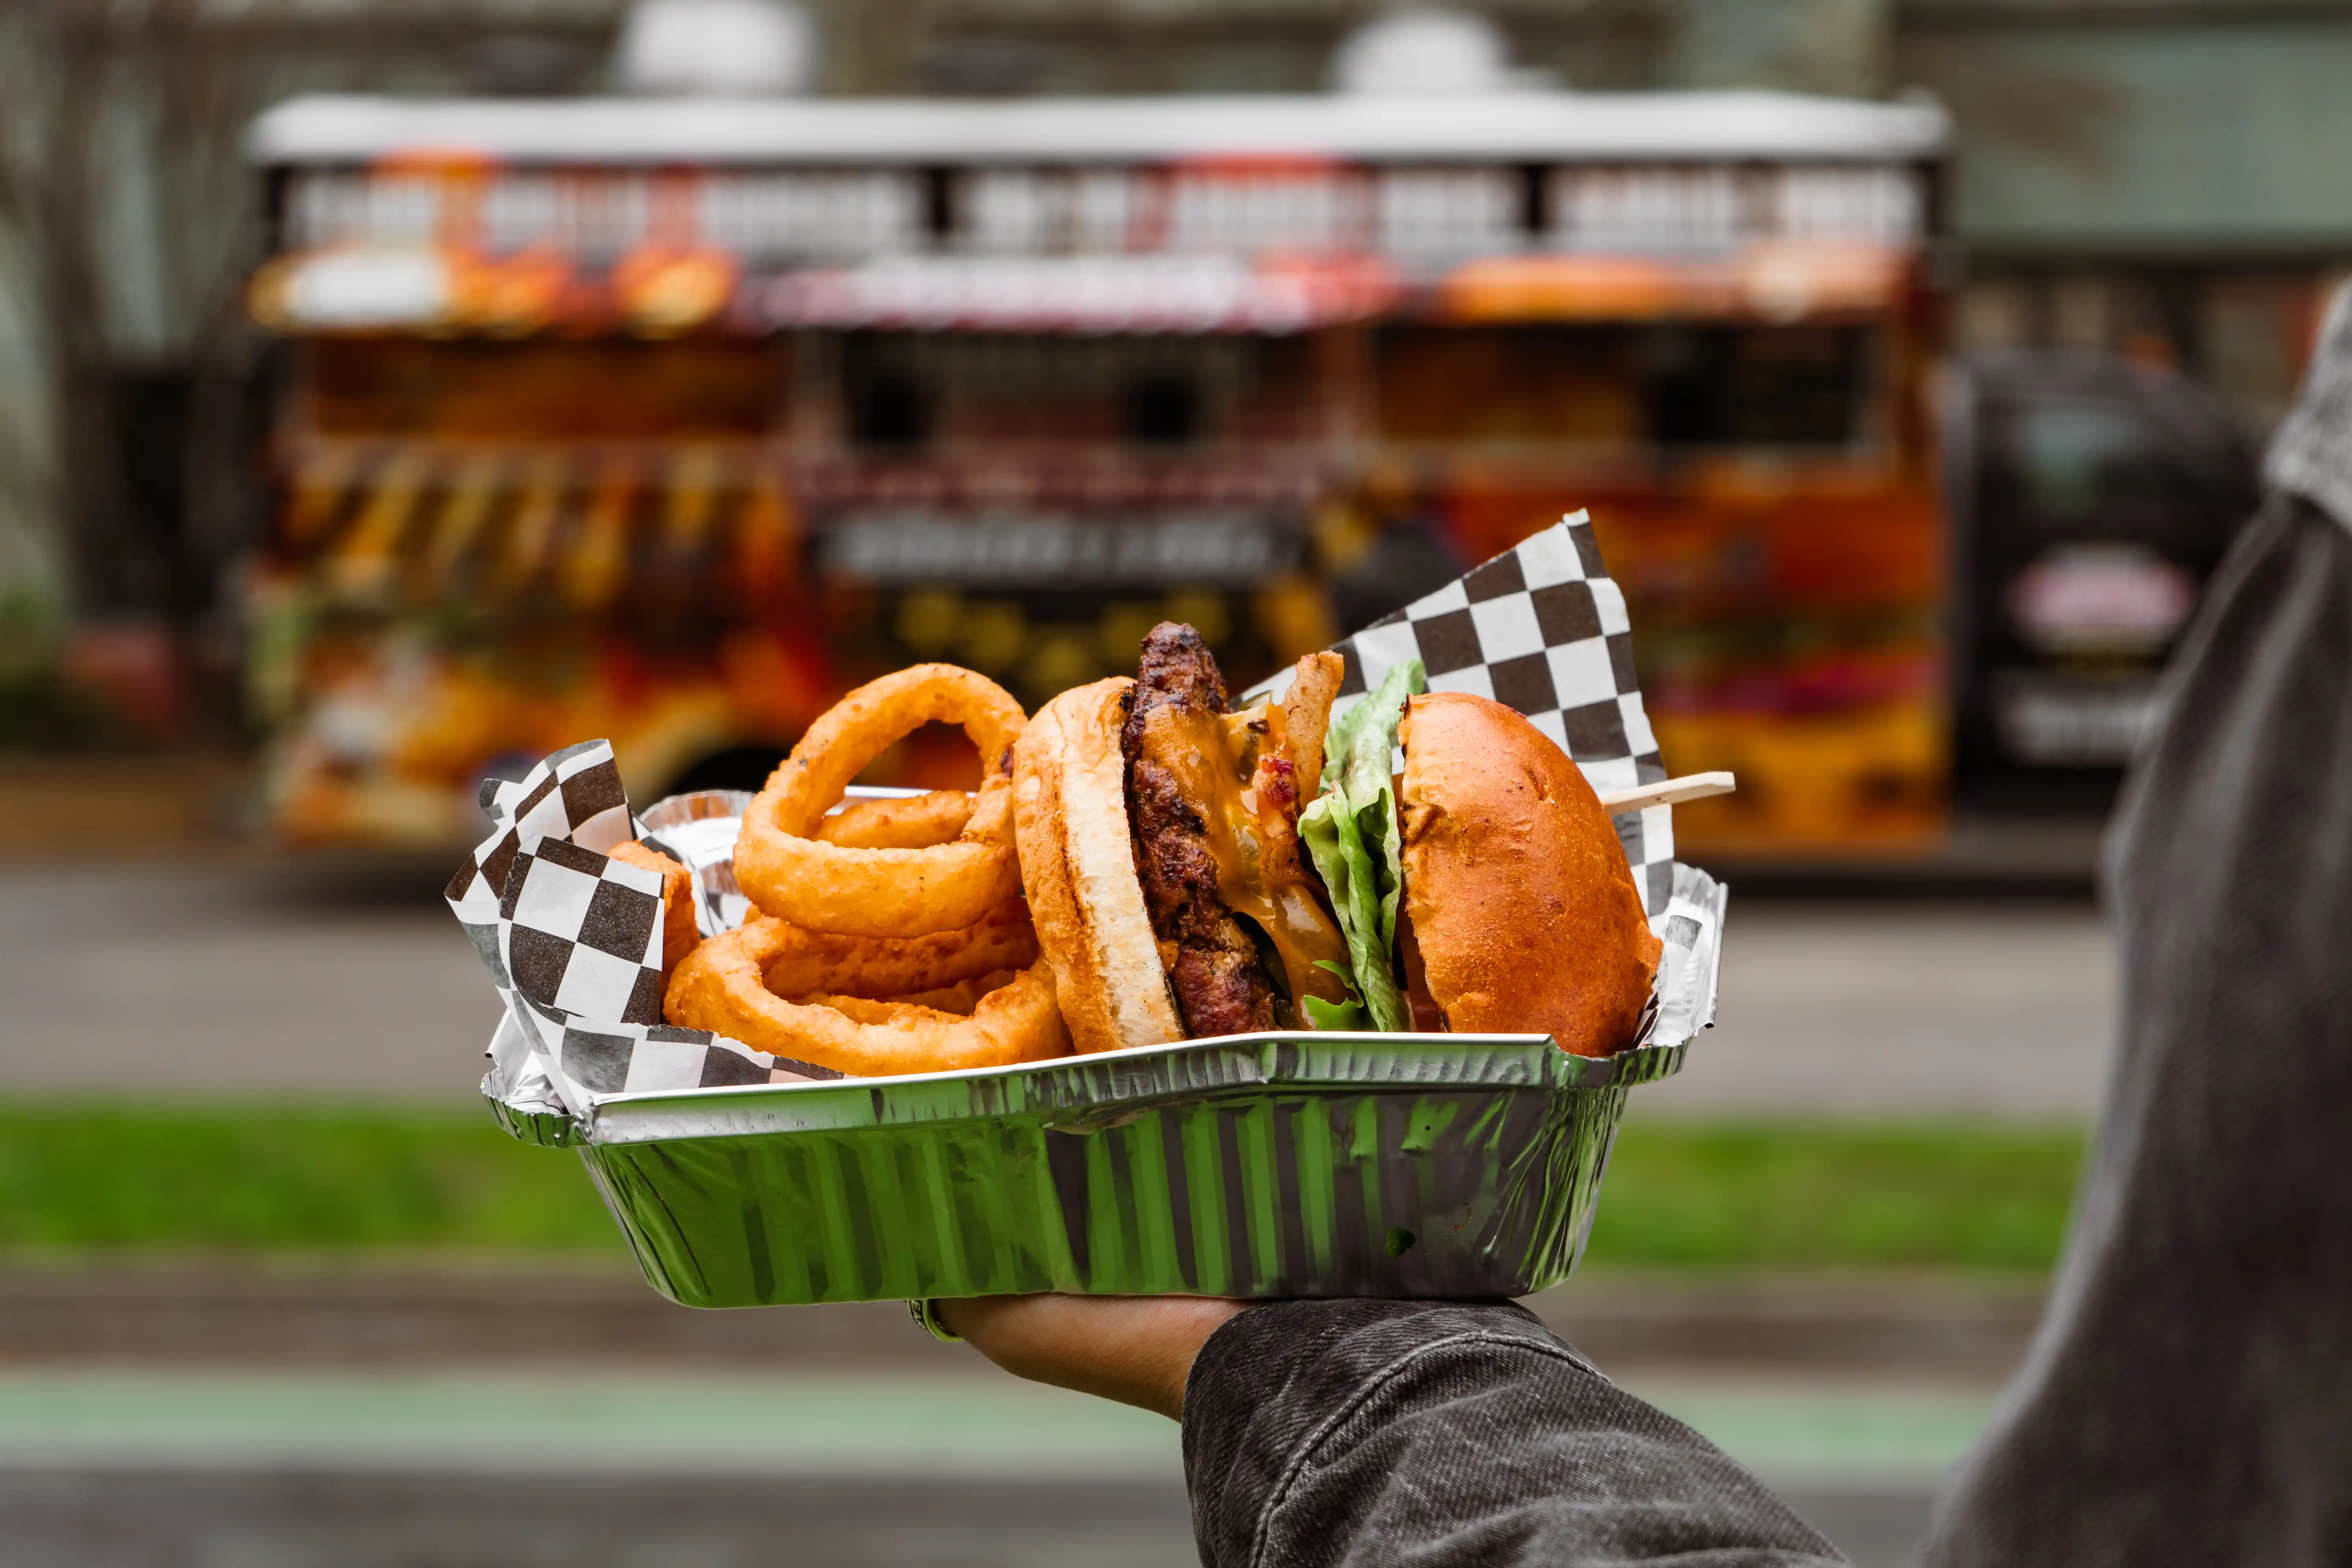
(973, 1425)
(589, 1465)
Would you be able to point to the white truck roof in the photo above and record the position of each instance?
(1525, 126)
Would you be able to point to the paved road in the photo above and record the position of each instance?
(1898, 1006)
(477, 1413)
(234, 979)
(308, 1517)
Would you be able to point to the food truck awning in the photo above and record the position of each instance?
(1533, 125)
(1087, 215)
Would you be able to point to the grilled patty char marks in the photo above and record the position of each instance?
(1221, 984)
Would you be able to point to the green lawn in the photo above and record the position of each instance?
(285, 1179)
(1778, 1195)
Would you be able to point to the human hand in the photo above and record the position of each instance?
(1138, 1350)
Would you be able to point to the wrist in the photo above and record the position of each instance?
(1138, 1350)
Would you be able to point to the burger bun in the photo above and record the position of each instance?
(1520, 899)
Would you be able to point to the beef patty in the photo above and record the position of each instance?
(1221, 984)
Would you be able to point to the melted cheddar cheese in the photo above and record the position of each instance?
(1231, 769)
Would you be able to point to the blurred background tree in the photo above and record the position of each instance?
(130, 376)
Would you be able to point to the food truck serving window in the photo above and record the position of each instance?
(1647, 385)
(981, 389)
(601, 389)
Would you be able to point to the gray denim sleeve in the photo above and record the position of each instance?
(1450, 1433)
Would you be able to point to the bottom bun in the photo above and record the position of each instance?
(1516, 886)
(1078, 864)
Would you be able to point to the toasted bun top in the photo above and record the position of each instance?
(1077, 865)
(1516, 884)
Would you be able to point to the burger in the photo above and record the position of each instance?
(1194, 871)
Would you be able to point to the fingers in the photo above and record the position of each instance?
(1137, 1350)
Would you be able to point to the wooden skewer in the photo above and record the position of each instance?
(1667, 792)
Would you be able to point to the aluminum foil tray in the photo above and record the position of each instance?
(1259, 1165)
(1255, 1165)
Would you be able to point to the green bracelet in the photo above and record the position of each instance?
(925, 1310)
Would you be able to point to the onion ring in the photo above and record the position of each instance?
(794, 877)
(680, 933)
(803, 963)
(962, 996)
(916, 822)
(719, 988)
(956, 1001)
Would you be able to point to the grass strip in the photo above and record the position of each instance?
(285, 1179)
(1768, 1194)
(76, 1178)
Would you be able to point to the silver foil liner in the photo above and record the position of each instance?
(1258, 1165)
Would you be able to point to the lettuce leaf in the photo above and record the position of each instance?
(1351, 833)
(1349, 1014)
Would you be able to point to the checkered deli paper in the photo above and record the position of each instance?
(1541, 629)
(572, 941)
(572, 938)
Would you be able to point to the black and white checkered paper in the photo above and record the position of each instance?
(573, 940)
(1540, 628)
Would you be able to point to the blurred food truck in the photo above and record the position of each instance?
(670, 420)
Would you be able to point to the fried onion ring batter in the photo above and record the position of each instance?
(917, 822)
(719, 987)
(678, 934)
(795, 877)
(806, 961)
(957, 1000)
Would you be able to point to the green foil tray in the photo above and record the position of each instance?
(1256, 1165)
